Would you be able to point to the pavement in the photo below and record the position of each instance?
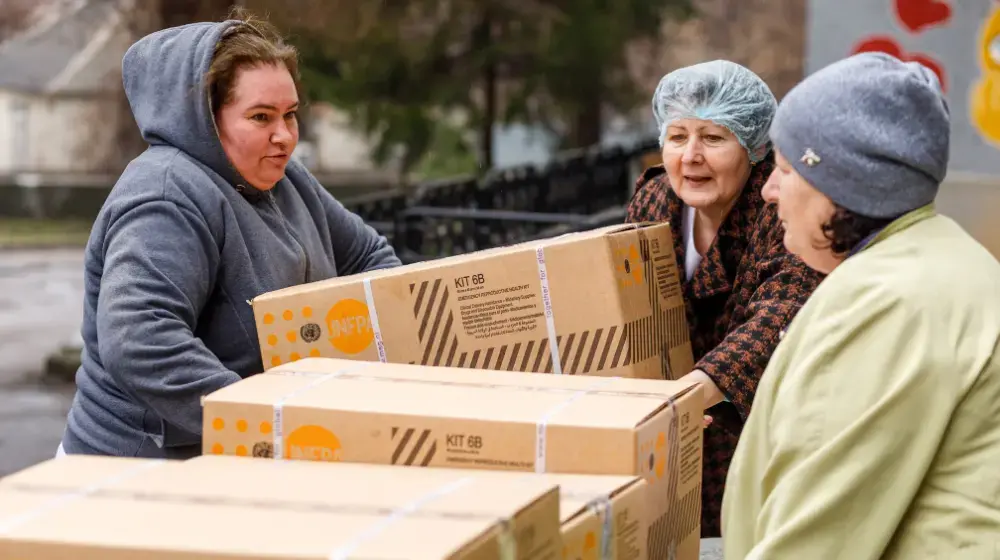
(41, 305)
(711, 549)
(31, 425)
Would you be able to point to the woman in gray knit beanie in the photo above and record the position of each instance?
(740, 286)
(875, 432)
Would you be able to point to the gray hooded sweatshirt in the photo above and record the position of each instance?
(180, 246)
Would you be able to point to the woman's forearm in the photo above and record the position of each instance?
(710, 391)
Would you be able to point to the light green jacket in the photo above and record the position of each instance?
(875, 431)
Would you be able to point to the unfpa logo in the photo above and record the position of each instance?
(348, 327)
(313, 443)
(629, 263)
(653, 458)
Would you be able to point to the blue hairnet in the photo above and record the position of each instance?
(723, 92)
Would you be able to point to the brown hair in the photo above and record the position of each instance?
(251, 43)
(846, 229)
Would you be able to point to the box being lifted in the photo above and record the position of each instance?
(604, 302)
(603, 516)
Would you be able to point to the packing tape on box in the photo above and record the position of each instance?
(62, 499)
(373, 319)
(277, 414)
(505, 540)
(542, 426)
(673, 470)
(550, 322)
(601, 506)
(346, 550)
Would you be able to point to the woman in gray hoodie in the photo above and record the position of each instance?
(214, 213)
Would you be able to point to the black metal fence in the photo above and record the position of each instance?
(576, 191)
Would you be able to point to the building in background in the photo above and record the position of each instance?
(57, 91)
(958, 39)
(63, 116)
(947, 36)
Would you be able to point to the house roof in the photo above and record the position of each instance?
(67, 55)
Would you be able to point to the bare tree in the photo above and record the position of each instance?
(179, 12)
(767, 36)
(14, 16)
(139, 18)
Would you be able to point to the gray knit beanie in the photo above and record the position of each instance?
(870, 132)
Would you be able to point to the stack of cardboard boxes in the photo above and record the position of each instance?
(371, 377)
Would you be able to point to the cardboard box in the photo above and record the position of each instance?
(603, 516)
(604, 302)
(224, 507)
(370, 412)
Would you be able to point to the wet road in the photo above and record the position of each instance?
(41, 304)
(711, 549)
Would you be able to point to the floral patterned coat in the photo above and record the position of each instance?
(741, 297)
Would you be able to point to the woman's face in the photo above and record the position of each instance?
(803, 211)
(706, 164)
(259, 126)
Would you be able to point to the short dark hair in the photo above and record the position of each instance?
(846, 229)
(250, 43)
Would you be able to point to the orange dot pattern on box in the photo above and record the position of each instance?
(346, 324)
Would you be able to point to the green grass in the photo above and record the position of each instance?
(23, 233)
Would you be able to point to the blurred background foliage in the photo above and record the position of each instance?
(428, 80)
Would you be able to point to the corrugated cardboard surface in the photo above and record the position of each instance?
(608, 301)
(603, 516)
(609, 522)
(371, 412)
(226, 507)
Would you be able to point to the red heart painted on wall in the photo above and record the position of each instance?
(917, 15)
(888, 45)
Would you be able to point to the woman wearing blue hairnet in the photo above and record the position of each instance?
(741, 286)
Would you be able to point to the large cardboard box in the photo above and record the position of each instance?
(603, 516)
(370, 412)
(601, 302)
(225, 507)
